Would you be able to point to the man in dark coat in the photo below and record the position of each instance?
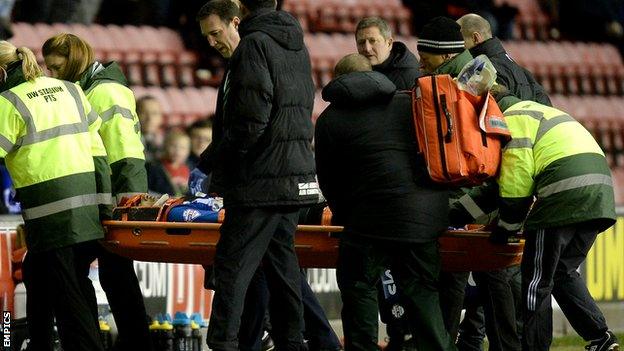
(219, 20)
(379, 189)
(265, 163)
(392, 58)
(478, 39)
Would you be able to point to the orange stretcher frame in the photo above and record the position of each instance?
(316, 245)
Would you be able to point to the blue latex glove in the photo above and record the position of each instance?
(196, 179)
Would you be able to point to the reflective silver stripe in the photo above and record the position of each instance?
(473, 209)
(105, 198)
(92, 117)
(574, 183)
(120, 196)
(66, 129)
(108, 114)
(548, 124)
(65, 204)
(73, 90)
(537, 271)
(22, 109)
(519, 143)
(509, 226)
(137, 127)
(6, 144)
(531, 113)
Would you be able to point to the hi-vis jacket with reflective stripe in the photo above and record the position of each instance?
(49, 139)
(553, 164)
(105, 87)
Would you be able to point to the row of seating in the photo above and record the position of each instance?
(181, 107)
(148, 55)
(343, 16)
(603, 117)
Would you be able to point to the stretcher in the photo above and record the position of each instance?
(316, 245)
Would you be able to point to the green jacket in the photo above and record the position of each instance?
(51, 146)
(554, 165)
(454, 66)
(110, 97)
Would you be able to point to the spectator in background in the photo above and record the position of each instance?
(151, 119)
(170, 175)
(478, 39)
(200, 133)
(379, 189)
(392, 58)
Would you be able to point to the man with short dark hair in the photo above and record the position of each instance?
(265, 166)
(392, 58)
(318, 332)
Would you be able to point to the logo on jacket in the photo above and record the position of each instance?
(190, 214)
(311, 188)
(398, 311)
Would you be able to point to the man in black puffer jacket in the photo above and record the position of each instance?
(520, 82)
(267, 171)
(379, 189)
(373, 38)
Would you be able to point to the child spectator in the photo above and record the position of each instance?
(201, 136)
(151, 117)
(170, 174)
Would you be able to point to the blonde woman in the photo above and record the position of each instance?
(49, 140)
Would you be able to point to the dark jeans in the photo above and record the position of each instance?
(549, 263)
(249, 236)
(415, 267)
(452, 290)
(472, 327)
(317, 331)
(120, 283)
(58, 285)
(496, 294)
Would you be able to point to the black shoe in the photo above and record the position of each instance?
(607, 343)
(267, 342)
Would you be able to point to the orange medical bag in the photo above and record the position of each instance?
(460, 135)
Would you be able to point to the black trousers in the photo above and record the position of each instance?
(472, 327)
(58, 285)
(452, 291)
(119, 282)
(249, 236)
(497, 296)
(416, 268)
(549, 266)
